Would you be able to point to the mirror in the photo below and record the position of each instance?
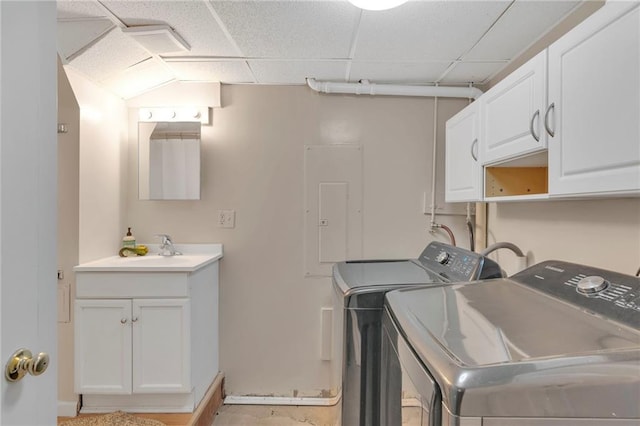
(169, 160)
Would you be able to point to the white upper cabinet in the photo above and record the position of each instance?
(463, 181)
(512, 113)
(594, 95)
(565, 124)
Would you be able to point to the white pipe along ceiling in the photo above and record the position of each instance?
(366, 88)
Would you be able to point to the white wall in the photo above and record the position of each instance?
(103, 171)
(252, 161)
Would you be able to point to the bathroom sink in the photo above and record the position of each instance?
(195, 257)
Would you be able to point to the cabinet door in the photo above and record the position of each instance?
(102, 334)
(512, 113)
(463, 173)
(161, 341)
(594, 85)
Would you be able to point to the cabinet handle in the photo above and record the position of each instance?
(123, 321)
(473, 154)
(546, 119)
(531, 129)
(134, 319)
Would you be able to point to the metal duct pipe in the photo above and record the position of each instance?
(393, 89)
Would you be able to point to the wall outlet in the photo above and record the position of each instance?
(226, 218)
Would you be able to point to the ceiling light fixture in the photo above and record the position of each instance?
(377, 4)
(158, 39)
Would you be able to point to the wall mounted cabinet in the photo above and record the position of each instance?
(594, 88)
(565, 124)
(512, 113)
(463, 172)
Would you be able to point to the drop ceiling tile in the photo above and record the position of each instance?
(290, 29)
(109, 55)
(223, 71)
(139, 78)
(296, 72)
(425, 30)
(71, 9)
(472, 72)
(74, 35)
(397, 72)
(519, 27)
(191, 19)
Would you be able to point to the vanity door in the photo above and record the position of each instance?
(161, 345)
(102, 346)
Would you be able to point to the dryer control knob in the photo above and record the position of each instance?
(592, 285)
(442, 257)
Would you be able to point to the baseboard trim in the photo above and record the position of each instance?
(277, 400)
(67, 408)
(205, 413)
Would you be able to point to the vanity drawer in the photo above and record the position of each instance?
(127, 285)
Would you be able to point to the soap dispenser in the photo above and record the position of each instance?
(129, 240)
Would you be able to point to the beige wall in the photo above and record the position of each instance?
(603, 233)
(68, 210)
(252, 161)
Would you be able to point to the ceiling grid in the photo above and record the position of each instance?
(422, 42)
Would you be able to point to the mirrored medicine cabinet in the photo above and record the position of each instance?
(169, 160)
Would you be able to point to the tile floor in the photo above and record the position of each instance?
(275, 415)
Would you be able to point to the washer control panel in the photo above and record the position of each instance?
(607, 293)
(456, 264)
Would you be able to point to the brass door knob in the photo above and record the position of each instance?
(23, 362)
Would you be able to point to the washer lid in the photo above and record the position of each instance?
(350, 276)
(501, 322)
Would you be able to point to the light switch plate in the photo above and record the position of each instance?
(226, 218)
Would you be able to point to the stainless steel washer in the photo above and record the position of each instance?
(359, 289)
(556, 344)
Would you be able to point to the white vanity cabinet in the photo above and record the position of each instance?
(513, 113)
(594, 87)
(463, 172)
(146, 332)
(129, 346)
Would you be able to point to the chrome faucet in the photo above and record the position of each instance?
(166, 246)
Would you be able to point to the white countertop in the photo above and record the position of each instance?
(194, 257)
